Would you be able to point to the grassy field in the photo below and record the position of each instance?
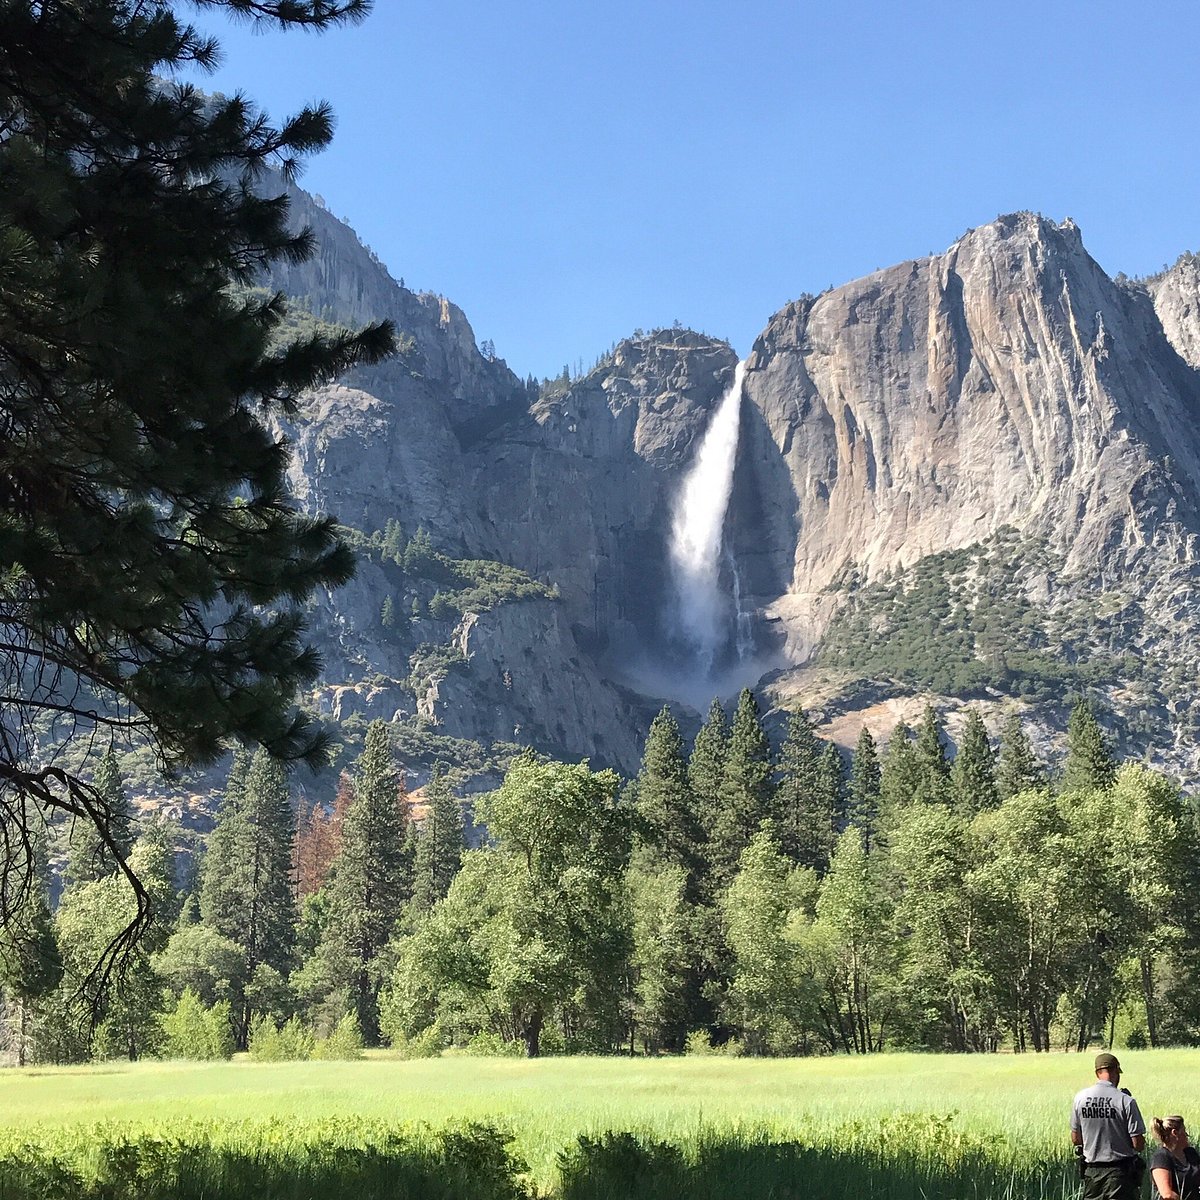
(1010, 1112)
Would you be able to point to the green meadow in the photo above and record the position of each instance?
(899, 1125)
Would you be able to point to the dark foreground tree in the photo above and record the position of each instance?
(151, 564)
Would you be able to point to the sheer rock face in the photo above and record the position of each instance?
(1176, 296)
(1008, 381)
(575, 490)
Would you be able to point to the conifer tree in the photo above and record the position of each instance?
(90, 858)
(30, 962)
(706, 766)
(934, 787)
(833, 787)
(863, 807)
(439, 843)
(154, 568)
(664, 798)
(316, 847)
(804, 824)
(387, 614)
(267, 923)
(370, 881)
(247, 890)
(902, 775)
(746, 791)
(393, 541)
(973, 775)
(1017, 767)
(1090, 765)
(221, 879)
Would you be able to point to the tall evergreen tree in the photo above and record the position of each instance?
(90, 858)
(1090, 764)
(934, 787)
(221, 879)
(833, 786)
(746, 790)
(805, 823)
(371, 879)
(154, 566)
(973, 775)
(267, 923)
(30, 962)
(664, 798)
(903, 774)
(863, 801)
(1017, 767)
(439, 843)
(247, 889)
(706, 766)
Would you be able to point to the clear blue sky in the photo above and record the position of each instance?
(568, 171)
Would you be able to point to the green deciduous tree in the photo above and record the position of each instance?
(662, 965)
(532, 930)
(771, 999)
(852, 952)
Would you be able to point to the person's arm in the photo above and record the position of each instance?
(1164, 1180)
(1137, 1126)
(1076, 1138)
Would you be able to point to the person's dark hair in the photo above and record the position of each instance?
(1165, 1127)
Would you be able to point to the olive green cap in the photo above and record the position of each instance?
(1107, 1062)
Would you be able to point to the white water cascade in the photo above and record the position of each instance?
(697, 526)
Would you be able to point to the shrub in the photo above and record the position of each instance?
(344, 1043)
(192, 1031)
(426, 1044)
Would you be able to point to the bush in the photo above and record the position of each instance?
(271, 1043)
(426, 1044)
(345, 1043)
(192, 1031)
(486, 1044)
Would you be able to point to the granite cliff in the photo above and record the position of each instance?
(1005, 401)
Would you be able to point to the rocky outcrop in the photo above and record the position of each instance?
(573, 488)
(1007, 382)
(1176, 296)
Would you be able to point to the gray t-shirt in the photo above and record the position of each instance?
(1109, 1120)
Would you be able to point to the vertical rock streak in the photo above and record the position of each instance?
(697, 527)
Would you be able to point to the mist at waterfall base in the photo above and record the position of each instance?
(708, 647)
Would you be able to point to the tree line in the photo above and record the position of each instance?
(730, 898)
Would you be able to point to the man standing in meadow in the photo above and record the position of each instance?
(1107, 1124)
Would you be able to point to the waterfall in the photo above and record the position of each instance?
(745, 625)
(698, 522)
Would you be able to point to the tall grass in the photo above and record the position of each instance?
(903, 1126)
